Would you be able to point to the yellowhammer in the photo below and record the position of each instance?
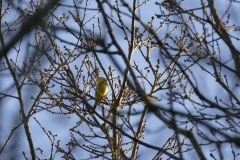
(101, 90)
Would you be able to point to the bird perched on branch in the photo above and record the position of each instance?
(101, 90)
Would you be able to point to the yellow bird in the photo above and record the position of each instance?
(101, 90)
